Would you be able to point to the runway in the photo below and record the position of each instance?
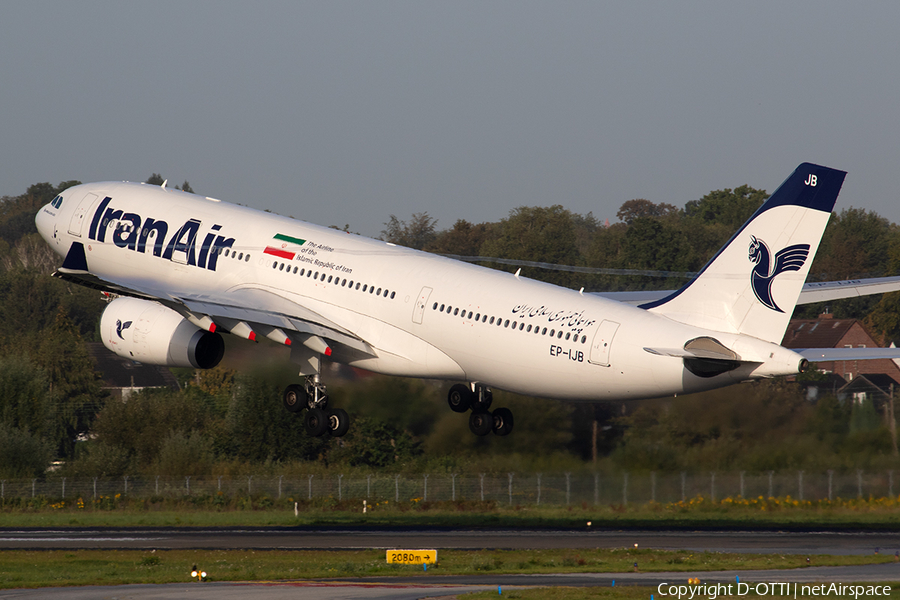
(280, 538)
(436, 586)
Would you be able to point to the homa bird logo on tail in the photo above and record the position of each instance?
(790, 258)
(120, 327)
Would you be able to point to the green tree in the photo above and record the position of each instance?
(75, 385)
(155, 179)
(375, 443)
(22, 454)
(856, 243)
(537, 234)
(139, 426)
(637, 208)
(727, 207)
(25, 398)
(260, 429)
(464, 239)
(185, 454)
(417, 233)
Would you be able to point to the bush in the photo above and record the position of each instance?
(22, 454)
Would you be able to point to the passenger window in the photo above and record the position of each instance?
(280, 267)
(567, 337)
(378, 293)
(492, 320)
(522, 326)
(455, 312)
(434, 307)
(506, 324)
(392, 295)
(295, 270)
(552, 332)
(544, 332)
(528, 330)
(470, 315)
(559, 335)
(364, 287)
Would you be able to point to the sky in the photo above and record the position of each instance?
(349, 112)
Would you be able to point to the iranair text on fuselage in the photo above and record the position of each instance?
(133, 232)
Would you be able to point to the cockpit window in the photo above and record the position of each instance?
(57, 202)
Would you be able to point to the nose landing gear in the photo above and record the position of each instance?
(318, 420)
(481, 422)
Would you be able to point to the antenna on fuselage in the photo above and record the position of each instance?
(163, 186)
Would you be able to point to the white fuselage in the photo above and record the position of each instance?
(423, 315)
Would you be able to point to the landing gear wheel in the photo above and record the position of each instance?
(294, 398)
(460, 398)
(338, 422)
(481, 422)
(503, 421)
(316, 422)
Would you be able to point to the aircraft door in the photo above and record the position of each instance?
(602, 343)
(77, 222)
(421, 303)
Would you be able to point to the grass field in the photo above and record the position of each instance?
(879, 513)
(111, 567)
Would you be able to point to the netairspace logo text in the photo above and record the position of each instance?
(714, 590)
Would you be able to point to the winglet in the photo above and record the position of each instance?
(751, 286)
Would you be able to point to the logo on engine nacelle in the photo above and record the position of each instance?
(120, 327)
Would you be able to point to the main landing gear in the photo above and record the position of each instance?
(462, 398)
(319, 419)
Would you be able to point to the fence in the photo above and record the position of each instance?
(509, 488)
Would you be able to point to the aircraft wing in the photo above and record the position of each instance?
(830, 354)
(819, 291)
(238, 306)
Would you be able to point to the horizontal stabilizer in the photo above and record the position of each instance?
(694, 353)
(830, 354)
(825, 291)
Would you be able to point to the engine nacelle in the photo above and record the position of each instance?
(150, 333)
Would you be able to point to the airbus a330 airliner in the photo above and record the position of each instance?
(181, 269)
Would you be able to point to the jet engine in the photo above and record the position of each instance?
(151, 333)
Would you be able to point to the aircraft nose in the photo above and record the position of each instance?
(44, 222)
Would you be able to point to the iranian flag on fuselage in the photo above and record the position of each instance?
(284, 246)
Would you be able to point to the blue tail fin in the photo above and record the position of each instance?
(752, 284)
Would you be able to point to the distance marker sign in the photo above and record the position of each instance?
(411, 557)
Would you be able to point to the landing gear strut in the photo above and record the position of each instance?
(318, 420)
(462, 398)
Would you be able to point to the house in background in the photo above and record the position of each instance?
(828, 332)
(122, 377)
